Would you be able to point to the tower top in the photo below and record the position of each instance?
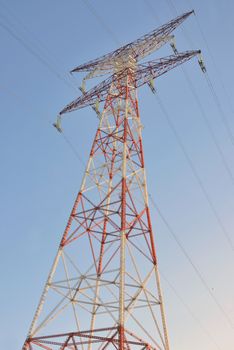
(117, 64)
(136, 50)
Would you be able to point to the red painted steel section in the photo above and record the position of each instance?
(83, 217)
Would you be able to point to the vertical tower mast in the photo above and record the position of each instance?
(103, 290)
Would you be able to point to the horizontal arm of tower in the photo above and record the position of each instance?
(144, 74)
(153, 69)
(126, 58)
(98, 92)
(137, 49)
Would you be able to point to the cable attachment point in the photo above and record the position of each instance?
(83, 87)
(173, 45)
(151, 85)
(201, 63)
(57, 124)
(96, 109)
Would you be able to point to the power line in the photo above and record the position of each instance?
(214, 211)
(175, 12)
(209, 127)
(213, 60)
(203, 114)
(189, 160)
(44, 62)
(196, 319)
(101, 21)
(39, 44)
(180, 245)
(189, 259)
(221, 112)
(151, 10)
(210, 85)
(195, 173)
(73, 149)
(33, 52)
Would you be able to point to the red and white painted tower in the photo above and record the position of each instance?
(103, 290)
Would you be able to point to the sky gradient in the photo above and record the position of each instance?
(188, 150)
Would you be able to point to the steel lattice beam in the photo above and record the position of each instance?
(144, 73)
(104, 282)
(137, 49)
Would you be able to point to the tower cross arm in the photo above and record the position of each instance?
(138, 49)
(144, 74)
(153, 69)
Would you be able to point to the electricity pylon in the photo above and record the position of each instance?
(103, 290)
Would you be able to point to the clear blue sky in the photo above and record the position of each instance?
(40, 176)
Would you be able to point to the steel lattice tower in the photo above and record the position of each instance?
(103, 290)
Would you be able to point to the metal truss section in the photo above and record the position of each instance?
(103, 290)
(144, 74)
(137, 49)
(105, 272)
